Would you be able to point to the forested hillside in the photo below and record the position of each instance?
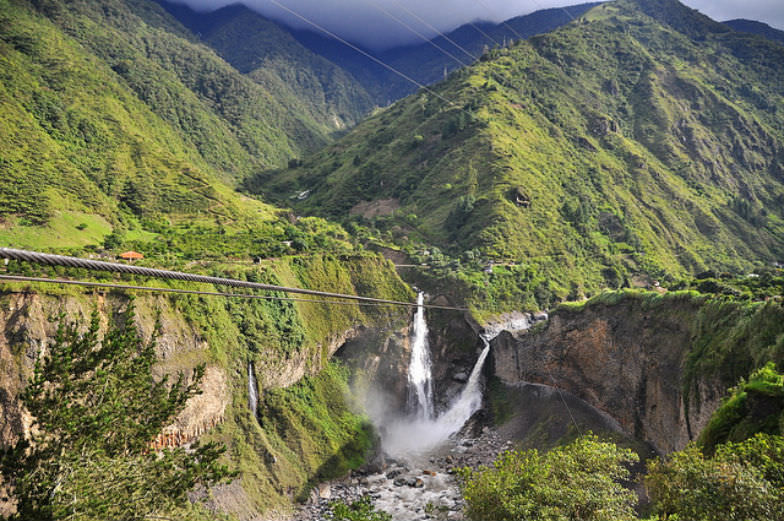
(112, 116)
(754, 27)
(269, 54)
(641, 138)
(425, 62)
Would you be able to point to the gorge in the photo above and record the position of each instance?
(575, 232)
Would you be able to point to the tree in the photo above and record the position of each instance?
(96, 409)
(741, 481)
(581, 480)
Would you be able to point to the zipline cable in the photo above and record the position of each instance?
(109, 285)
(75, 262)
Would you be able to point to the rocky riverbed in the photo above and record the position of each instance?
(422, 488)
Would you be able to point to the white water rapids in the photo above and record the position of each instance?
(423, 431)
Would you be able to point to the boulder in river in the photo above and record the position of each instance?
(415, 483)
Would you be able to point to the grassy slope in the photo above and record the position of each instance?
(111, 117)
(643, 144)
(269, 55)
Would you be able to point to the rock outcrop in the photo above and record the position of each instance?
(625, 359)
(27, 323)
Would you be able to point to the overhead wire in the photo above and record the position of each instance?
(568, 409)
(419, 34)
(512, 29)
(476, 27)
(437, 30)
(364, 53)
(542, 8)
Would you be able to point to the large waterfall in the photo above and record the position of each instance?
(422, 430)
(420, 380)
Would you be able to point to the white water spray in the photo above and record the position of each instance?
(420, 379)
(253, 393)
(421, 432)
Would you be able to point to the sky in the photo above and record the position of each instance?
(373, 23)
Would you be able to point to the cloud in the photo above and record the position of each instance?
(372, 22)
(769, 11)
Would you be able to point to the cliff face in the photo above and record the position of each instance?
(29, 320)
(286, 342)
(626, 359)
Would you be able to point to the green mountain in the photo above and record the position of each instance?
(113, 116)
(425, 62)
(270, 55)
(641, 139)
(759, 28)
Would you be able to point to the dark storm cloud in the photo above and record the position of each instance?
(363, 21)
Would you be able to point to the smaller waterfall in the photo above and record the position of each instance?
(470, 399)
(253, 393)
(420, 398)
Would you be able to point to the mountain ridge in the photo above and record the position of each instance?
(267, 53)
(759, 28)
(614, 136)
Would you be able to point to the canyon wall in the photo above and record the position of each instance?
(658, 365)
(287, 343)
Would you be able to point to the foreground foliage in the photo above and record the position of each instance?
(359, 510)
(577, 481)
(753, 406)
(741, 481)
(97, 407)
(584, 480)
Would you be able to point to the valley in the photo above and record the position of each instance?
(543, 281)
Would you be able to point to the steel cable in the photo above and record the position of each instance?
(114, 267)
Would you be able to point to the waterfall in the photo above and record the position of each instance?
(420, 434)
(253, 393)
(470, 399)
(420, 397)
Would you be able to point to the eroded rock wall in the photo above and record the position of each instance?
(285, 342)
(28, 321)
(625, 359)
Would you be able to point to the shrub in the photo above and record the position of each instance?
(577, 481)
(742, 481)
(360, 510)
(97, 408)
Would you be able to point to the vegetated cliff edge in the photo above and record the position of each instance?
(306, 429)
(658, 364)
